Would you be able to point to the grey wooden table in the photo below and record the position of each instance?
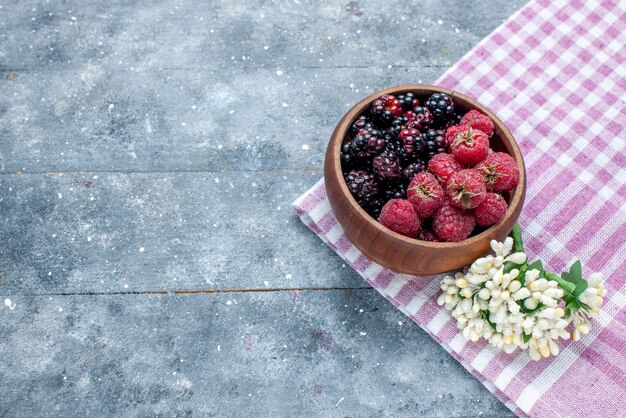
(150, 264)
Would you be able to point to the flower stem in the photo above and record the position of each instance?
(563, 284)
(518, 244)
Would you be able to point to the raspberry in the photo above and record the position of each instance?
(413, 169)
(466, 189)
(367, 143)
(452, 224)
(411, 145)
(435, 142)
(443, 166)
(386, 108)
(363, 187)
(428, 235)
(399, 216)
(362, 122)
(426, 194)
(499, 172)
(479, 121)
(386, 167)
(469, 146)
(440, 105)
(408, 101)
(491, 210)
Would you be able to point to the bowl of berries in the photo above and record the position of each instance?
(422, 178)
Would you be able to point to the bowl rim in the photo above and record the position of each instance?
(338, 135)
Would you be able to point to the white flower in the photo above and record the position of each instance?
(594, 295)
(542, 347)
(502, 249)
(449, 297)
(491, 304)
(539, 290)
(581, 324)
(592, 298)
(517, 258)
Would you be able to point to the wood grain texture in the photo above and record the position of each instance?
(395, 251)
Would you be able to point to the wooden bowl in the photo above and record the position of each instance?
(395, 251)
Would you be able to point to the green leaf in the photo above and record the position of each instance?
(490, 323)
(575, 276)
(526, 337)
(531, 311)
(508, 266)
(572, 306)
(536, 265)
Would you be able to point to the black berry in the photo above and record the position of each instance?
(435, 142)
(386, 167)
(394, 191)
(367, 144)
(411, 145)
(440, 105)
(363, 187)
(385, 109)
(362, 122)
(408, 101)
(412, 169)
(422, 117)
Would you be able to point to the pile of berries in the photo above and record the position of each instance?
(425, 170)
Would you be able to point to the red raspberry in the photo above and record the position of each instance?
(479, 121)
(466, 189)
(490, 210)
(443, 166)
(469, 146)
(426, 194)
(399, 216)
(428, 235)
(452, 224)
(499, 172)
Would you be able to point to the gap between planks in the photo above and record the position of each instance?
(208, 291)
(312, 170)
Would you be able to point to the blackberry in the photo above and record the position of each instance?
(367, 144)
(446, 123)
(413, 169)
(411, 145)
(408, 101)
(422, 117)
(386, 167)
(394, 191)
(386, 108)
(435, 142)
(440, 105)
(362, 122)
(363, 188)
(348, 162)
(375, 206)
(398, 124)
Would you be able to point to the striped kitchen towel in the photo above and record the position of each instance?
(555, 73)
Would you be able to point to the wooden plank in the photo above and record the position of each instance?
(279, 354)
(77, 233)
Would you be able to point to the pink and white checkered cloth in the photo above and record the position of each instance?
(555, 73)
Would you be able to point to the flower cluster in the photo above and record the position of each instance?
(513, 304)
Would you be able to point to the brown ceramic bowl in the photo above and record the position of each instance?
(395, 251)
